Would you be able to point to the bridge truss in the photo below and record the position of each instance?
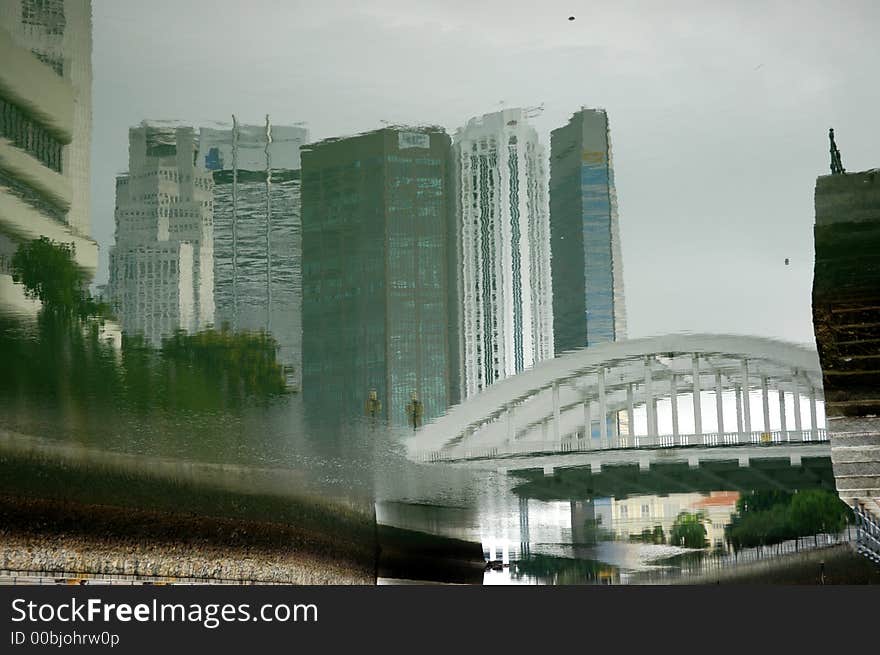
(607, 397)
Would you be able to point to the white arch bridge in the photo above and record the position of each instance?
(606, 397)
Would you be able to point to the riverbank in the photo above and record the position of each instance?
(46, 536)
(835, 565)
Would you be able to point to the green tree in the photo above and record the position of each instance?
(649, 536)
(65, 359)
(688, 531)
(817, 511)
(48, 272)
(766, 518)
(658, 537)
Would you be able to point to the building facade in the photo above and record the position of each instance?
(257, 233)
(58, 33)
(502, 243)
(247, 147)
(45, 132)
(375, 280)
(162, 264)
(588, 301)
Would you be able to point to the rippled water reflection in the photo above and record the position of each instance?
(74, 436)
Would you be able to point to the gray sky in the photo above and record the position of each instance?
(719, 113)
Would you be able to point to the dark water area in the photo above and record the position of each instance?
(207, 426)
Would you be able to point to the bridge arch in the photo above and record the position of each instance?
(588, 399)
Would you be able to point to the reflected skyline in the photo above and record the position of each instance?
(714, 130)
(383, 308)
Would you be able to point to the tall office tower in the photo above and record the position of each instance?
(588, 304)
(45, 132)
(375, 297)
(58, 33)
(257, 233)
(162, 266)
(503, 246)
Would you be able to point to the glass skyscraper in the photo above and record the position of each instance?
(257, 237)
(375, 221)
(588, 303)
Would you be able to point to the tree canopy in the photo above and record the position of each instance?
(765, 518)
(688, 531)
(49, 273)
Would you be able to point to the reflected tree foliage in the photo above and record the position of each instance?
(47, 271)
(689, 531)
(769, 517)
(65, 360)
(649, 536)
(548, 569)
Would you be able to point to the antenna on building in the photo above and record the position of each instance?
(836, 165)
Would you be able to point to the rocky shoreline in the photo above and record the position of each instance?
(56, 536)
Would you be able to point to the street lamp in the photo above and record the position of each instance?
(415, 409)
(374, 405)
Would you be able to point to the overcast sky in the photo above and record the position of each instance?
(719, 113)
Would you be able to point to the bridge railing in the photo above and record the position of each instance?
(867, 534)
(715, 562)
(576, 442)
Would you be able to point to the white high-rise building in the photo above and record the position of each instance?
(505, 308)
(45, 132)
(162, 265)
(58, 33)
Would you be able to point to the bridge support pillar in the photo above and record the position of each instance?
(798, 421)
(588, 421)
(693, 462)
(739, 412)
(743, 461)
(603, 410)
(644, 464)
(783, 424)
(524, 538)
(698, 410)
(765, 399)
(595, 467)
(650, 405)
(673, 401)
(795, 460)
(813, 420)
(556, 431)
(746, 399)
(548, 471)
(719, 406)
(630, 411)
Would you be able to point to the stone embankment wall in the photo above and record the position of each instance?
(50, 536)
(846, 317)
